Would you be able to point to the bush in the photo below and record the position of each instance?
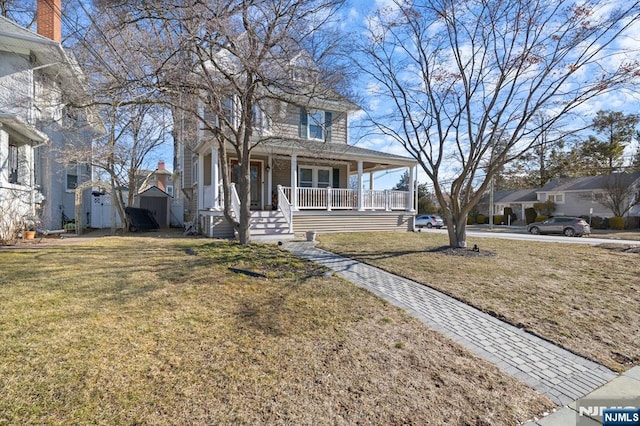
(541, 218)
(596, 222)
(469, 220)
(530, 215)
(632, 222)
(498, 219)
(480, 219)
(616, 222)
(509, 216)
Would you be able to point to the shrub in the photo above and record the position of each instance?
(632, 222)
(541, 218)
(546, 209)
(469, 220)
(530, 215)
(605, 223)
(497, 219)
(616, 222)
(509, 216)
(596, 222)
(480, 219)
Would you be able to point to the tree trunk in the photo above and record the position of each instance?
(457, 230)
(244, 193)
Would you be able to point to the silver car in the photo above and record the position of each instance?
(429, 220)
(566, 225)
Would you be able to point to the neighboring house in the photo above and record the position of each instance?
(299, 176)
(580, 196)
(37, 79)
(572, 196)
(518, 200)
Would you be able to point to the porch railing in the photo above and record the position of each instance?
(285, 207)
(347, 199)
(235, 201)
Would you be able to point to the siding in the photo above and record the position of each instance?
(351, 221)
(289, 126)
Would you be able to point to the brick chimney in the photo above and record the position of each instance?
(162, 178)
(49, 19)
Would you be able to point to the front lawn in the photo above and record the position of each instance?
(581, 297)
(153, 331)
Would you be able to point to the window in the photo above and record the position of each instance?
(72, 177)
(315, 124)
(314, 177)
(13, 163)
(260, 120)
(557, 198)
(207, 169)
(170, 190)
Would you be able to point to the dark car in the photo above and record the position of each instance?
(429, 220)
(566, 225)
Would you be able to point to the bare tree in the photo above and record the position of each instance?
(619, 192)
(231, 64)
(136, 122)
(459, 76)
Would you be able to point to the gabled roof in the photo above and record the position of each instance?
(587, 183)
(154, 191)
(512, 196)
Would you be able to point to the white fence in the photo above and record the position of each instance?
(347, 199)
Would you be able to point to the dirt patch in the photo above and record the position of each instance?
(474, 251)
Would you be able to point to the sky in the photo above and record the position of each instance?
(353, 20)
(627, 101)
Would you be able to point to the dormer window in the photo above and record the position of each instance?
(315, 124)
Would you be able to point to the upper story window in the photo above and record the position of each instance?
(260, 119)
(315, 124)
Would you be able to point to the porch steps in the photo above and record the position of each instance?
(269, 226)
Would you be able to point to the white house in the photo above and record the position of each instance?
(38, 78)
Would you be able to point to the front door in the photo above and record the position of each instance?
(256, 181)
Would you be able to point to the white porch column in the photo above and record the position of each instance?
(360, 184)
(269, 181)
(214, 177)
(200, 182)
(294, 182)
(412, 184)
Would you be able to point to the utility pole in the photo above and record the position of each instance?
(491, 204)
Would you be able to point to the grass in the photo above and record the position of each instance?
(153, 331)
(581, 297)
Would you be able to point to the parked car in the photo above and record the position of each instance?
(566, 225)
(429, 220)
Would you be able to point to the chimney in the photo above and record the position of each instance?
(49, 19)
(162, 178)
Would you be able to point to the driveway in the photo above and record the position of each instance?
(523, 236)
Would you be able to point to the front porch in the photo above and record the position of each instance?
(295, 183)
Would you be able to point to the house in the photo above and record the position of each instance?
(518, 200)
(300, 175)
(38, 77)
(581, 196)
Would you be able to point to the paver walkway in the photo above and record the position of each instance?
(555, 372)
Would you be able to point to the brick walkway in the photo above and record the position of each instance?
(555, 372)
